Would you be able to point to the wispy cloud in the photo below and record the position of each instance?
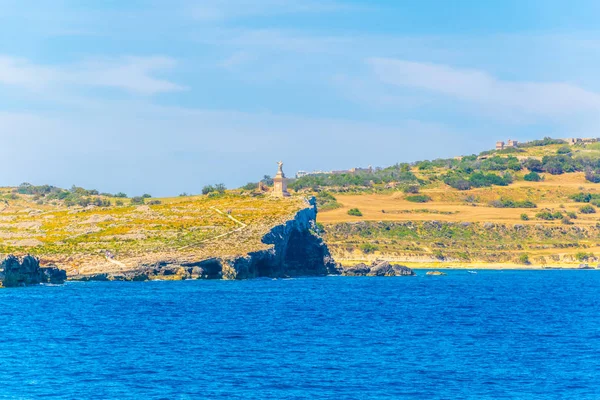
(479, 87)
(135, 75)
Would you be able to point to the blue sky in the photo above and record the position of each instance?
(167, 96)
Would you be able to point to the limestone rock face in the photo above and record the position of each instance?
(15, 272)
(378, 268)
(296, 251)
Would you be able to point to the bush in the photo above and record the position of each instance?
(534, 165)
(592, 176)
(524, 259)
(137, 200)
(250, 186)
(548, 216)
(208, 189)
(146, 196)
(419, 198)
(581, 197)
(572, 215)
(326, 201)
(368, 248)
(355, 212)
(532, 177)
(507, 203)
(119, 203)
(566, 221)
(154, 202)
(411, 189)
(583, 256)
(587, 209)
(563, 150)
(524, 217)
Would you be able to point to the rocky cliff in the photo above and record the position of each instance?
(27, 271)
(295, 249)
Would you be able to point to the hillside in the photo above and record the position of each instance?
(88, 233)
(534, 206)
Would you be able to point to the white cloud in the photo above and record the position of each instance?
(132, 74)
(475, 86)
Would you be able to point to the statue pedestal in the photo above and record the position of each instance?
(280, 186)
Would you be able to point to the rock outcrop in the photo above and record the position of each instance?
(295, 250)
(15, 272)
(378, 268)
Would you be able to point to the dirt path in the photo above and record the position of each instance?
(240, 223)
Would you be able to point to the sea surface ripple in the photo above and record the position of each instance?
(494, 335)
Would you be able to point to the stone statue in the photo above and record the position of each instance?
(280, 164)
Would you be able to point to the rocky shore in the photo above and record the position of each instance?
(377, 268)
(27, 271)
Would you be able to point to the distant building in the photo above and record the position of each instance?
(510, 144)
(574, 141)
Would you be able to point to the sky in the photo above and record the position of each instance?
(164, 97)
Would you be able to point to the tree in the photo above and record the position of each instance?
(208, 189)
(220, 188)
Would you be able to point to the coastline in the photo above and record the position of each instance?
(478, 266)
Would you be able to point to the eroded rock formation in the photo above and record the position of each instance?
(15, 272)
(378, 268)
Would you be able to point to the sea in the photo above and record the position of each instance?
(490, 335)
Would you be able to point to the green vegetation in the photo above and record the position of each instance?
(587, 209)
(418, 198)
(368, 248)
(355, 212)
(549, 216)
(326, 201)
(508, 203)
(532, 177)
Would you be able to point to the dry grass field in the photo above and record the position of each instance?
(453, 225)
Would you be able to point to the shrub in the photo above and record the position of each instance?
(146, 196)
(368, 248)
(581, 197)
(548, 216)
(533, 164)
(250, 186)
(524, 259)
(121, 195)
(524, 217)
(411, 189)
(572, 215)
(532, 177)
(137, 200)
(326, 201)
(566, 221)
(419, 198)
(507, 203)
(587, 209)
(583, 256)
(563, 150)
(154, 202)
(592, 176)
(119, 203)
(355, 212)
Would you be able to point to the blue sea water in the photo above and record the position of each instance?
(494, 335)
